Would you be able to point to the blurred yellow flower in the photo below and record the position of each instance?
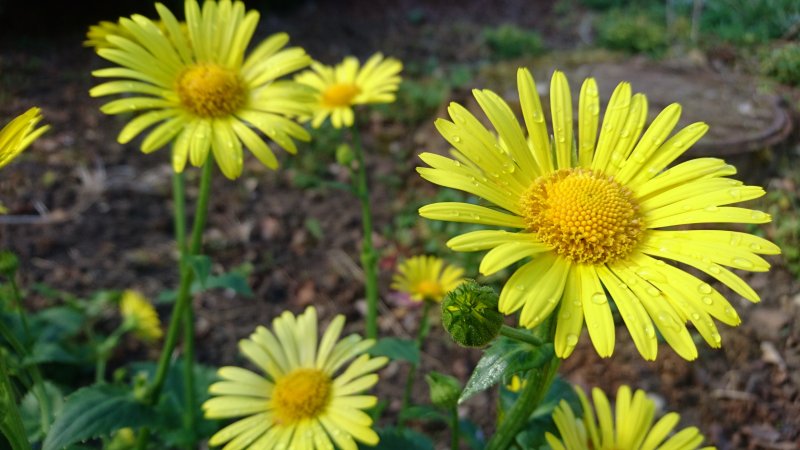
(588, 212)
(97, 35)
(141, 315)
(18, 135)
(426, 278)
(307, 399)
(340, 88)
(200, 89)
(634, 428)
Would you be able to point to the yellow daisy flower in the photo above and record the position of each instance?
(19, 133)
(143, 317)
(308, 398)
(590, 212)
(201, 90)
(340, 88)
(634, 425)
(426, 278)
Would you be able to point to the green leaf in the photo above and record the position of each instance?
(94, 411)
(314, 227)
(201, 265)
(396, 349)
(235, 280)
(30, 411)
(401, 439)
(51, 352)
(444, 389)
(501, 360)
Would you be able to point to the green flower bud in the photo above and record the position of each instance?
(344, 155)
(8, 263)
(470, 314)
(445, 390)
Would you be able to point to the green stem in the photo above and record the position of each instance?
(22, 350)
(454, 429)
(369, 258)
(105, 348)
(536, 386)
(179, 202)
(422, 333)
(182, 304)
(519, 335)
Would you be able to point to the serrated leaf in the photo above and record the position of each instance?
(501, 360)
(94, 411)
(396, 349)
(201, 266)
(401, 439)
(30, 411)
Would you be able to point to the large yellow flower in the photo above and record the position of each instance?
(306, 401)
(19, 133)
(633, 430)
(340, 88)
(426, 278)
(141, 314)
(590, 212)
(201, 90)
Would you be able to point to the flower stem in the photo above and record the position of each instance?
(22, 349)
(536, 386)
(182, 304)
(104, 351)
(422, 333)
(11, 426)
(369, 258)
(519, 335)
(454, 429)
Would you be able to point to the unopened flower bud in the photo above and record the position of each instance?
(344, 155)
(8, 263)
(470, 314)
(445, 389)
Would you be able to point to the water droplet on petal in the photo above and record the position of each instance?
(707, 300)
(599, 298)
(704, 288)
(650, 331)
(744, 263)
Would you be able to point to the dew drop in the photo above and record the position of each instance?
(650, 331)
(712, 208)
(653, 291)
(704, 288)
(714, 269)
(599, 298)
(695, 317)
(456, 138)
(708, 300)
(520, 287)
(716, 337)
(730, 312)
(743, 263)
(758, 215)
(572, 340)
(755, 247)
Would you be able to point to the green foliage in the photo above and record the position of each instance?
(97, 411)
(30, 411)
(235, 280)
(417, 100)
(501, 360)
(540, 420)
(396, 349)
(633, 31)
(510, 41)
(749, 21)
(401, 439)
(783, 205)
(783, 63)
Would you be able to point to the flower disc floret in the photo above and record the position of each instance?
(340, 94)
(585, 216)
(301, 394)
(209, 90)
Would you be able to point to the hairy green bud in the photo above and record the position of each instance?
(344, 155)
(445, 389)
(8, 263)
(470, 314)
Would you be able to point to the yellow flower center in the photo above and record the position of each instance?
(586, 216)
(431, 290)
(209, 90)
(301, 394)
(340, 94)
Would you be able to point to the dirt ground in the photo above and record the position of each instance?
(86, 213)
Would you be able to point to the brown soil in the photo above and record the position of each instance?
(87, 213)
